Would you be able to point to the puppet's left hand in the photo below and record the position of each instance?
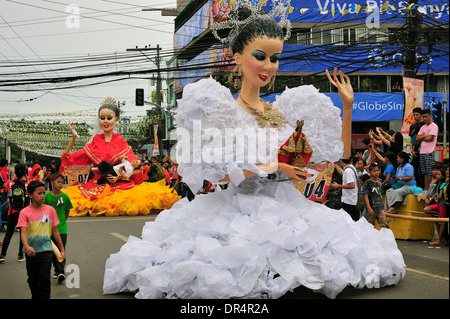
(343, 85)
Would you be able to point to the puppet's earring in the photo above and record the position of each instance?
(272, 83)
(235, 78)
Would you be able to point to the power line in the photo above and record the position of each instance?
(188, 67)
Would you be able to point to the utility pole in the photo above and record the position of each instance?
(158, 110)
(444, 114)
(157, 62)
(413, 25)
(158, 77)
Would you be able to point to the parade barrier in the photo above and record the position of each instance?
(411, 222)
(428, 219)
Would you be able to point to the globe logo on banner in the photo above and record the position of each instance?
(378, 58)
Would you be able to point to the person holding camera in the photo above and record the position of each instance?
(349, 188)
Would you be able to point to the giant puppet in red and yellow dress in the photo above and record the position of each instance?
(117, 197)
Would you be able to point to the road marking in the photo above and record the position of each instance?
(432, 258)
(425, 273)
(106, 219)
(125, 239)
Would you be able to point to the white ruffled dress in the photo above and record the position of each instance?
(260, 238)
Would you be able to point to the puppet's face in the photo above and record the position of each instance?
(259, 60)
(107, 119)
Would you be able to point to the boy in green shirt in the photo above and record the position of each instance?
(61, 203)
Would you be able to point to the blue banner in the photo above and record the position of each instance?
(361, 10)
(368, 106)
(377, 106)
(353, 11)
(373, 106)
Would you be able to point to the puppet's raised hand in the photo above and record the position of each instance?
(343, 85)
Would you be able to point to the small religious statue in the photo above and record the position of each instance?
(296, 151)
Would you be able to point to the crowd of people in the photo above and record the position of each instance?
(155, 169)
(32, 172)
(384, 168)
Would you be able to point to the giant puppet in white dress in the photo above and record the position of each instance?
(259, 238)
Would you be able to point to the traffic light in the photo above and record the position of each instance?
(166, 144)
(437, 113)
(139, 97)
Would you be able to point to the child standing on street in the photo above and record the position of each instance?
(61, 203)
(38, 223)
(439, 208)
(372, 198)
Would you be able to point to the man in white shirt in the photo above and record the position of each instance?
(349, 188)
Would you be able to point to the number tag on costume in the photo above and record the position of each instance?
(318, 189)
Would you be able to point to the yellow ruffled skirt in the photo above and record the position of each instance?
(139, 200)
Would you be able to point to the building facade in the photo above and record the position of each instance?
(371, 43)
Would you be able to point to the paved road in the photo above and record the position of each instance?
(92, 239)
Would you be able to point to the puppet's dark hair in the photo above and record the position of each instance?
(110, 104)
(111, 107)
(259, 25)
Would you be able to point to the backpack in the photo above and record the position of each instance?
(156, 173)
(19, 198)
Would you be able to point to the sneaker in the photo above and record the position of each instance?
(61, 278)
(55, 276)
(21, 258)
(2, 259)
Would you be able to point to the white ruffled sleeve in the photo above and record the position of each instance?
(207, 117)
(322, 121)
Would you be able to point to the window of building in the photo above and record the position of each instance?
(323, 36)
(373, 83)
(349, 36)
(316, 36)
(396, 83)
(303, 36)
(319, 36)
(170, 93)
(430, 82)
(338, 35)
(327, 37)
(361, 35)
